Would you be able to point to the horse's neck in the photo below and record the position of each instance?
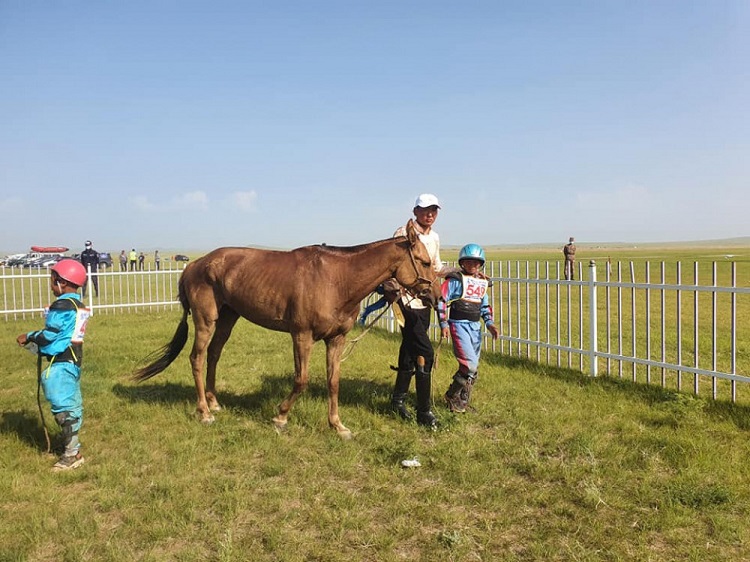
(372, 266)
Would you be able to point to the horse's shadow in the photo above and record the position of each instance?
(264, 400)
(27, 427)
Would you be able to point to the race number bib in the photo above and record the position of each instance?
(474, 289)
(82, 318)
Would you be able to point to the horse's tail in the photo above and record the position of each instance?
(164, 356)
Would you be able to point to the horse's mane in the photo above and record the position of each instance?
(350, 250)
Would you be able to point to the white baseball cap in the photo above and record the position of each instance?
(427, 200)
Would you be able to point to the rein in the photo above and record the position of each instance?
(39, 400)
(351, 343)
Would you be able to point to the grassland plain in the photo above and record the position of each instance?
(552, 465)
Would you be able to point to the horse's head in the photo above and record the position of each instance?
(417, 274)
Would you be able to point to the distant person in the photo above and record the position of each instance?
(123, 261)
(90, 259)
(569, 251)
(141, 259)
(157, 260)
(133, 259)
(61, 343)
(463, 305)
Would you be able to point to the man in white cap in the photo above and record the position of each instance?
(416, 356)
(90, 258)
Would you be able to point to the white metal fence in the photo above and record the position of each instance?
(25, 292)
(626, 321)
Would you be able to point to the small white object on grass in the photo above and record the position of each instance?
(411, 463)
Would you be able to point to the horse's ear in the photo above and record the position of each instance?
(411, 232)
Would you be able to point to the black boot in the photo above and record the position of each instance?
(424, 387)
(400, 390)
(454, 398)
(466, 391)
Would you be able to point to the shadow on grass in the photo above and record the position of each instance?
(27, 427)
(274, 389)
(653, 395)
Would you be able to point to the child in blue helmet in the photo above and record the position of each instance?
(61, 343)
(464, 304)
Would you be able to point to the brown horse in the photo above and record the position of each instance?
(313, 292)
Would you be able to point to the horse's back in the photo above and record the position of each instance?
(271, 288)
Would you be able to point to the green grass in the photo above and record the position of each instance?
(553, 465)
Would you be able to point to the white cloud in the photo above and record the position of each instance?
(141, 203)
(245, 200)
(192, 200)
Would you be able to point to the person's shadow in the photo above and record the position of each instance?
(27, 427)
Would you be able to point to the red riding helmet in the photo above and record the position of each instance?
(71, 271)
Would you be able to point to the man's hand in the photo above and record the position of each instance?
(22, 340)
(445, 333)
(391, 290)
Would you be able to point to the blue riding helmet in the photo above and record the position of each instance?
(471, 251)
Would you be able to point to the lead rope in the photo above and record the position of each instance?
(39, 400)
(351, 343)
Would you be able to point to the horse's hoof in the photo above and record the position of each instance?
(215, 407)
(279, 425)
(343, 432)
(209, 419)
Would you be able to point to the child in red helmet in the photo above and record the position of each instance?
(61, 343)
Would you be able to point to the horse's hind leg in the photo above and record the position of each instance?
(204, 321)
(227, 319)
(302, 344)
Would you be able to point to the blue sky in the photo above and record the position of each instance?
(192, 125)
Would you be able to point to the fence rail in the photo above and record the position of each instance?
(626, 325)
(26, 292)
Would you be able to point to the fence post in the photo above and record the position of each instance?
(593, 306)
(89, 289)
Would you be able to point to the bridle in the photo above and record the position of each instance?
(419, 278)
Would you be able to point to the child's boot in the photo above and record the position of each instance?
(72, 457)
(454, 397)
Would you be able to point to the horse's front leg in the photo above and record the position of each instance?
(334, 347)
(302, 344)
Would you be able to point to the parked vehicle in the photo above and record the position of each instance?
(12, 259)
(181, 257)
(17, 260)
(37, 259)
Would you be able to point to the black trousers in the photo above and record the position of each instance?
(415, 340)
(94, 282)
